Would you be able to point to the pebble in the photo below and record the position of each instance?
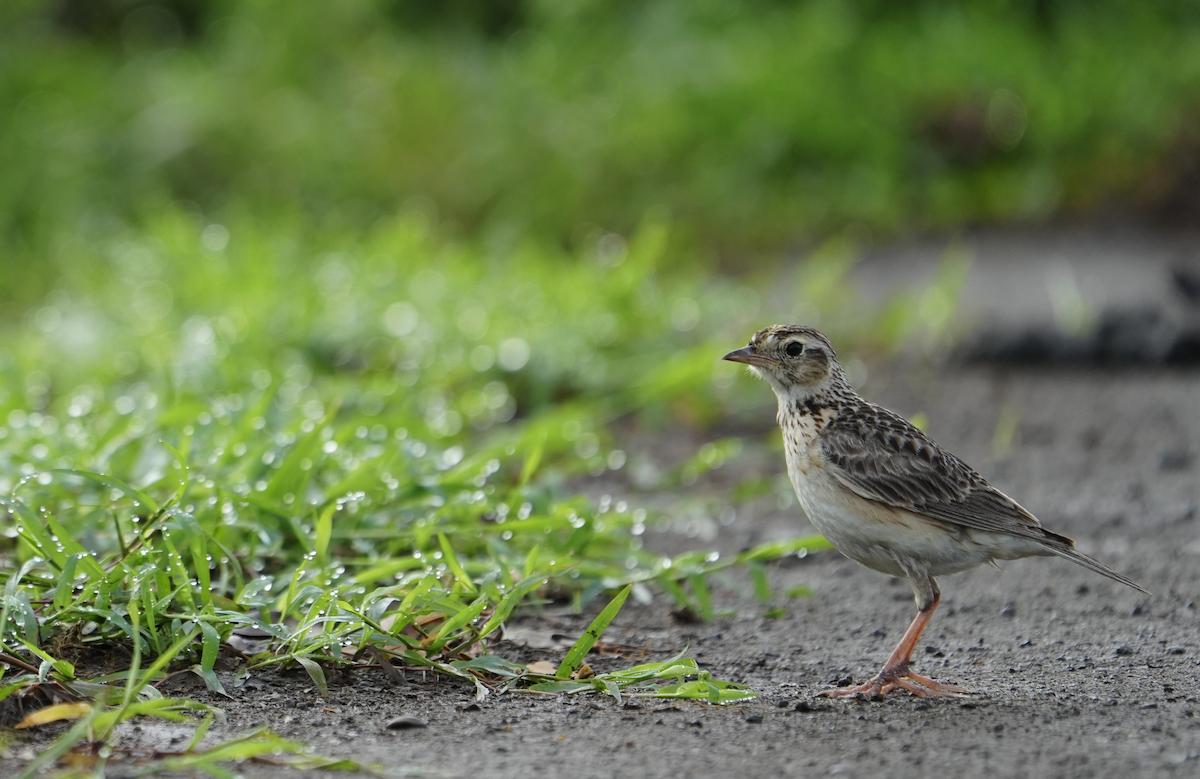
(407, 722)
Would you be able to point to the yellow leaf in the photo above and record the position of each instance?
(58, 711)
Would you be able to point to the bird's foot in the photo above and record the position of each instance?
(891, 678)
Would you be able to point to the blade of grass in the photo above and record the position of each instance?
(208, 658)
(459, 620)
(703, 597)
(510, 602)
(574, 658)
(315, 672)
(324, 533)
(456, 568)
(115, 483)
(762, 585)
(10, 591)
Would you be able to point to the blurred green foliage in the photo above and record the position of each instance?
(750, 125)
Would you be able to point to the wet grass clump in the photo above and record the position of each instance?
(228, 440)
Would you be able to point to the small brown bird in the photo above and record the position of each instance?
(885, 494)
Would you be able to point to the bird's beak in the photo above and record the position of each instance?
(749, 356)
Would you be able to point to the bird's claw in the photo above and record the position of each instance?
(888, 680)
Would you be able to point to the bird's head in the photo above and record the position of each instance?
(797, 361)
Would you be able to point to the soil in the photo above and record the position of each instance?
(1072, 675)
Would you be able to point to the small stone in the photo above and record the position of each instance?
(803, 706)
(754, 719)
(1176, 650)
(470, 707)
(407, 722)
(1124, 651)
(1174, 460)
(1009, 610)
(783, 704)
(845, 681)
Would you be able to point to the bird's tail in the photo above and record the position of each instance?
(1065, 547)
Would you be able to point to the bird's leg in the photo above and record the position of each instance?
(895, 672)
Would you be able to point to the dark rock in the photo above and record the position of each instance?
(407, 722)
(1174, 460)
(1187, 284)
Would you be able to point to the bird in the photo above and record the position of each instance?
(885, 495)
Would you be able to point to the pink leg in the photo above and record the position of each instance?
(895, 672)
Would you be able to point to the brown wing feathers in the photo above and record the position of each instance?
(883, 457)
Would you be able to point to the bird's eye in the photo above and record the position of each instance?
(794, 349)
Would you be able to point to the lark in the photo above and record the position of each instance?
(886, 495)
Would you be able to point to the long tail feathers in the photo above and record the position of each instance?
(1069, 552)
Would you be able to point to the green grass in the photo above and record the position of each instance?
(369, 453)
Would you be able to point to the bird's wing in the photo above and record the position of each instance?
(882, 457)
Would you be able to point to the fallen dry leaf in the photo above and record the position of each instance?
(59, 711)
(544, 667)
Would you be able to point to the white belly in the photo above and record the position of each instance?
(893, 541)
